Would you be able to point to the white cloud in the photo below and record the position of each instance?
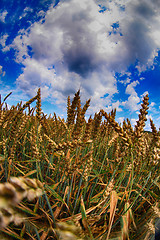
(133, 121)
(77, 47)
(3, 39)
(144, 94)
(130, 88)
(132, 103)
(68, 45)
(121, 119)
(126, 81)
(25, 12)
(133, 100)
(3, 16)
(152, 104)
(2, 73)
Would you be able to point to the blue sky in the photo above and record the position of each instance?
(110, 50)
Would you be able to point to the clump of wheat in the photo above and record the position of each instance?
(98, 175)
(12, 193)
(142, 117)
(68, 231)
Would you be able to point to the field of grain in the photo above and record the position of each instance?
(77, 179)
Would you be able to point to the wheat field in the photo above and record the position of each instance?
(76, 178)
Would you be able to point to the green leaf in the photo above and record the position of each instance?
(56, 195)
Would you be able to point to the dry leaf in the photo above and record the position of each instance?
(113, 205)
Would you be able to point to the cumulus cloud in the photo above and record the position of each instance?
(133, 99)
(77, 45)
